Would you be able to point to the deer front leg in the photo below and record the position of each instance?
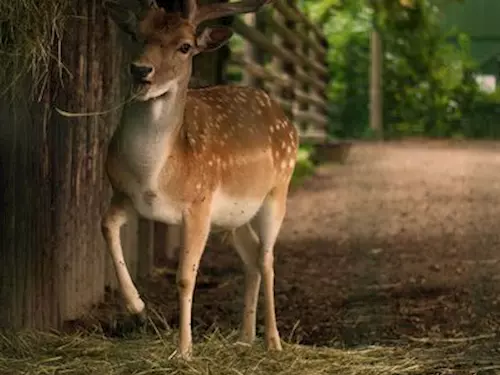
(118, 214)
(195, 234)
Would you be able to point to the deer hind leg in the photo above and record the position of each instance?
(269, 220)
(196, 228)
(246, 243)
(118, 214)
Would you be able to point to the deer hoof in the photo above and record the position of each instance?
(185, 355)
(274, 344)
(140, 319)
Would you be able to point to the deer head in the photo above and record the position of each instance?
(166, 42)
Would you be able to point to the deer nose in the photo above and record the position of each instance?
(140, 72)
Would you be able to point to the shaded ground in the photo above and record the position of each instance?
(401, 242)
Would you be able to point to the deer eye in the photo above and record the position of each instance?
(185, 48)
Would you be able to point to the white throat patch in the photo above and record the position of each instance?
(156, 91)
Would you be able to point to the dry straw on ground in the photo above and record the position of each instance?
(91, 353)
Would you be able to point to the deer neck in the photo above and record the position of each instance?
(148, 131)
(158, 117)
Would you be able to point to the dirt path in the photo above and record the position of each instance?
(402, 240)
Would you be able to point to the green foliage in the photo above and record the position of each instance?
(428, 84)
(426, 77)
(304, 166)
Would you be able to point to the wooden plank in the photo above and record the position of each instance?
(310, 24)
(261, 41)
(298, 106)
(307, 116)
(292, 13)
(250, 52)
(311, 98)
(174, 241)
(321, 112)
(285, 104)
(283, 31)
(314, 135)
(280, 78)
(145, 247)
(273, 79)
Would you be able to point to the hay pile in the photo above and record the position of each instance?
(92, 353)
(30, 33)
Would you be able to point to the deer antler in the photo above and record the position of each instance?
(190, 9)
(218, 10)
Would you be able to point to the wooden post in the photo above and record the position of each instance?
(323, 94)
(284, 95)
(52, 180)
(146, 247)
(376, 109)
(275, 64)
(313, 92)
(174, 240)
(299, 106)
(249, 52)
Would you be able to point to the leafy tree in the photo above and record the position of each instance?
(428, 87)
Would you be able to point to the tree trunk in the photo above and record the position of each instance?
(376, 106)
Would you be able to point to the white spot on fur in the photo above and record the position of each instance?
(157, 109)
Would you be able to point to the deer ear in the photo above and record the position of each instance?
(213, 38)
(122, 16)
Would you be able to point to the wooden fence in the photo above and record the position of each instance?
(53, 262)
(285, 54)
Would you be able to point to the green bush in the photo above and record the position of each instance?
(304, 166)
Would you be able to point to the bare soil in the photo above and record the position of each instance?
(400, 242)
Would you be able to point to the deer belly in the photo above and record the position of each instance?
(157, 207)
(232, 212)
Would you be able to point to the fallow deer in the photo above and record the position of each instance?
(215, 158)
